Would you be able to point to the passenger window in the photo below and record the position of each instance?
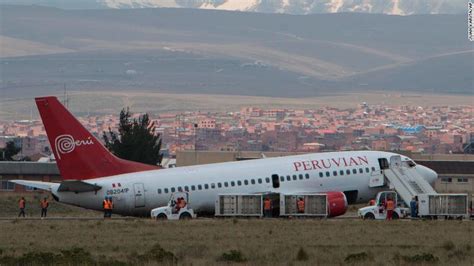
(246, 182)
(213, 185)
(206, 186)
(267, 179)
(232, 183)
(199, 187)
(186, 188)
(328, 174)
(321, 174)
(166, 190)
(288, 178)
(239, 183)
(334, 173)
(260, 181)
(226, 184)
(180, 189)
(219, 185)
(172, 189)
(252, 181)
(361, 170)
(159, 191)
(307, 176)
(348, 172)
(193, 187)
(354, 171)
(301, 176)
(295, 177)
(341, 172)
(367, 169)
(373, 169)
(282, 178)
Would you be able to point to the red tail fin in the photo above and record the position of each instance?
(78, 153)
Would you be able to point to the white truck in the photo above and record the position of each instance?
(378, 212)
(448, 206)
(173, 211)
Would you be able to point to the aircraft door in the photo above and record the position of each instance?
(139, 195)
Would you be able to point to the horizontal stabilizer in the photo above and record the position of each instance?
(77, 186)
(35, 184)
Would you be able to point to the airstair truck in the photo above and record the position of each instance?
(172, 211)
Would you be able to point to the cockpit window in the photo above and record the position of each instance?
(410, 163)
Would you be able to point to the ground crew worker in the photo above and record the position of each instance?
(178, 204)
(413, 208)
(390, 207)
(371, 202)
(267, 207)
(300, 205)
(111, 206)
(106, 206)
(22, 205)
(44, 204)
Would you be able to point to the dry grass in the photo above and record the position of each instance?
(111, 102)
(213, 241)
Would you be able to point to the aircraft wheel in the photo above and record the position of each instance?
(369, 216)
(185, 216)
(161, 217)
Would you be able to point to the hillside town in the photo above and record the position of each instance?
(433, 130)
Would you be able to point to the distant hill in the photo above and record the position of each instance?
(297, 7)
(208, 51)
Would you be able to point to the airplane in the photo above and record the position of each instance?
(90, 173)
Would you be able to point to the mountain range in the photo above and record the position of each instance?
(298, 7)
(183, 50)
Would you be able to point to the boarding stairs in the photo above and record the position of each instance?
(406, 180)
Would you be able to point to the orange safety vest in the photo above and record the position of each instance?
(44, 204)
(106, 205)
(390, 205)
(22, 204)
(267, 204)
(111, 204)
(301, 205)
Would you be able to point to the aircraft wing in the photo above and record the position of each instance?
(36, 184)
(77, 186)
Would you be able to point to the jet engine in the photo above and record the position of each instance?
(337, 203)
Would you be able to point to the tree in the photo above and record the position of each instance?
(136, 139)
(10, 150)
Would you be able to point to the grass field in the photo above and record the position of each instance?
(212, 241)
(217, 241)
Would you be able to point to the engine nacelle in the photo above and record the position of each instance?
(337, 203)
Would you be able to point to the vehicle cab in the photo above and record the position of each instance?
(178, 208)
(378, 211)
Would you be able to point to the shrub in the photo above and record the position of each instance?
(157, 254)
(357, 257)
(302, 255)
(233, 256)
(448, 245)
(420, 258)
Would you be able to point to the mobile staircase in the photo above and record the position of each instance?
(406, 180)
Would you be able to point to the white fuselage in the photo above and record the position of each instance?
(138, 193)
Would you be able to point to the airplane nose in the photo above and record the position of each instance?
(428, 174)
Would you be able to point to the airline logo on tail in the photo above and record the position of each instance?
(66, 144)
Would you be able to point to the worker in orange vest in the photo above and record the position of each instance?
(107, 207)
(267, 207)
(390, 207)
(300, 205)
(44, 204)
(22, 206)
